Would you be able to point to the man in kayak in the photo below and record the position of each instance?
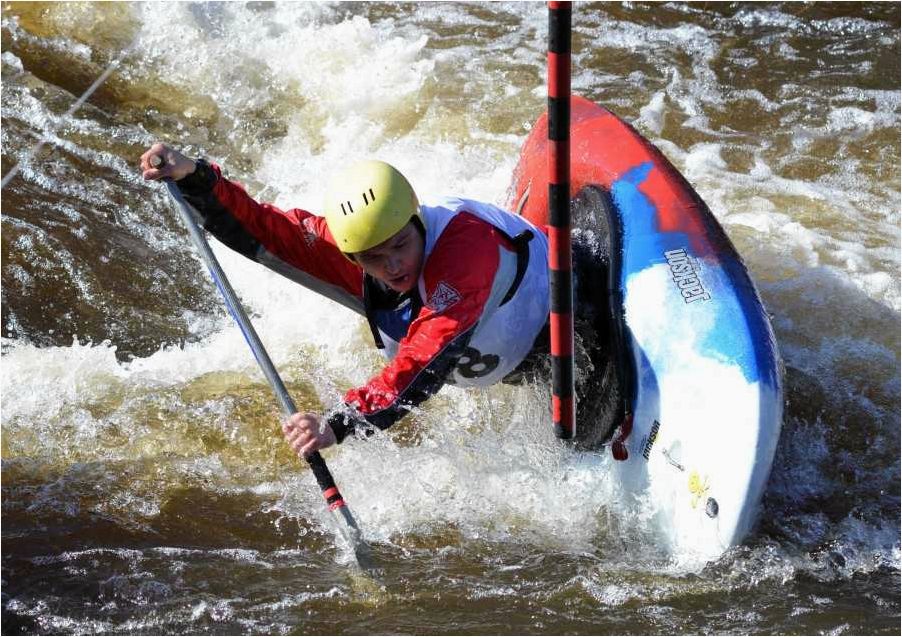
(455, 292)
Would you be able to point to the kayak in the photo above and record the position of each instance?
(698, 384)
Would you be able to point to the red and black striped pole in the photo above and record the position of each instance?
(560, 259)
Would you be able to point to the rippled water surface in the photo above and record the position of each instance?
(145, 487)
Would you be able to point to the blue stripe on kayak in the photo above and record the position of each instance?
(647, 244)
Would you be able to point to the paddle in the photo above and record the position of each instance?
(346, 523)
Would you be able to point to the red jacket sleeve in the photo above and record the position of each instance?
(282, 240)
(456, 293)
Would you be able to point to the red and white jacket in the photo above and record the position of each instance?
(480, 302)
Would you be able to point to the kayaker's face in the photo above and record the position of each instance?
(397, 260)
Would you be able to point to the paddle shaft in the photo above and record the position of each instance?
(324, 478)
(560, 256)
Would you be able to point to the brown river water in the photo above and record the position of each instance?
(145, 486)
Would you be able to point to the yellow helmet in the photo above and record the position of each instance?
(368, 203)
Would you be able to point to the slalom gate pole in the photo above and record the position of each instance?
(560, 256)
(347, 525)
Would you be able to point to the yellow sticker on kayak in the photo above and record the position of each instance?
(698, 487)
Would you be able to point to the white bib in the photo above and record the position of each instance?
(505, 333)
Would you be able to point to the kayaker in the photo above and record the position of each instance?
(455, 291)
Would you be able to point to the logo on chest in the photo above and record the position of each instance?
(443, 297)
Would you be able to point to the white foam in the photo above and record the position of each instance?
(490, 475)
(39, 382)
(652, 114)
(12, 62)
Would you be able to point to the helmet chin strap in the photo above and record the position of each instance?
(419, 225)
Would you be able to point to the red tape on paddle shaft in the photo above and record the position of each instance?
(560, 261)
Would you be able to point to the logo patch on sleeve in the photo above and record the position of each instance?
(309, 230)
(443, 297)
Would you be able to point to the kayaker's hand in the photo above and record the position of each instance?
(304, 434)
(162, 162)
